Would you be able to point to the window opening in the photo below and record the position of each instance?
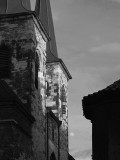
(63, 99)
(5, 55)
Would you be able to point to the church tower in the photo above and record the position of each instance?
(23, 41)
(33, 83)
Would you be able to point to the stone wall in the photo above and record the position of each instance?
(38, 86)
(52, 137)
(57, 101)
(25, 38)
(57, 90)
(38, 96)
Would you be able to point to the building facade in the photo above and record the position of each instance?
(103, 109)
(33, 84)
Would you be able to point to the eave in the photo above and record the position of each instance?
(109, 95)
(59, 60)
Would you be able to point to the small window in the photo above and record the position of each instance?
(63, 109)
(47, 89)
(5, 55)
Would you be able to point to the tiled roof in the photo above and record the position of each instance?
(8, 97)
(107, 95)
(12, 110)
(114, 86)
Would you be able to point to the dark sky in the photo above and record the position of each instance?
(88, 41)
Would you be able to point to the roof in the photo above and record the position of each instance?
(55, 118)
(8, 97)
(45, 15)
(6, 92)
(114, 86)
(110, 94)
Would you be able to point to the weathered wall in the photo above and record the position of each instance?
(57, 90)
(57, 99)
(18, 33)
(26, 41)
(24, 36)
(38, 101)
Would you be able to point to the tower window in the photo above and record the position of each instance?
(5, 54)
(63, 99)
(63, 109)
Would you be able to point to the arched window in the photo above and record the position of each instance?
(36, 69)
(52, 157)
(5, 55)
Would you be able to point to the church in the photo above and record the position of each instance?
(33, 84)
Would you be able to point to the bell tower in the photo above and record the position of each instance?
(23, 41)
(33, 83)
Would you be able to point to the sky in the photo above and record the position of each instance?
(88, 41)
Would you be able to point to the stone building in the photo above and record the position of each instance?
(103, 109)
(33, 84)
